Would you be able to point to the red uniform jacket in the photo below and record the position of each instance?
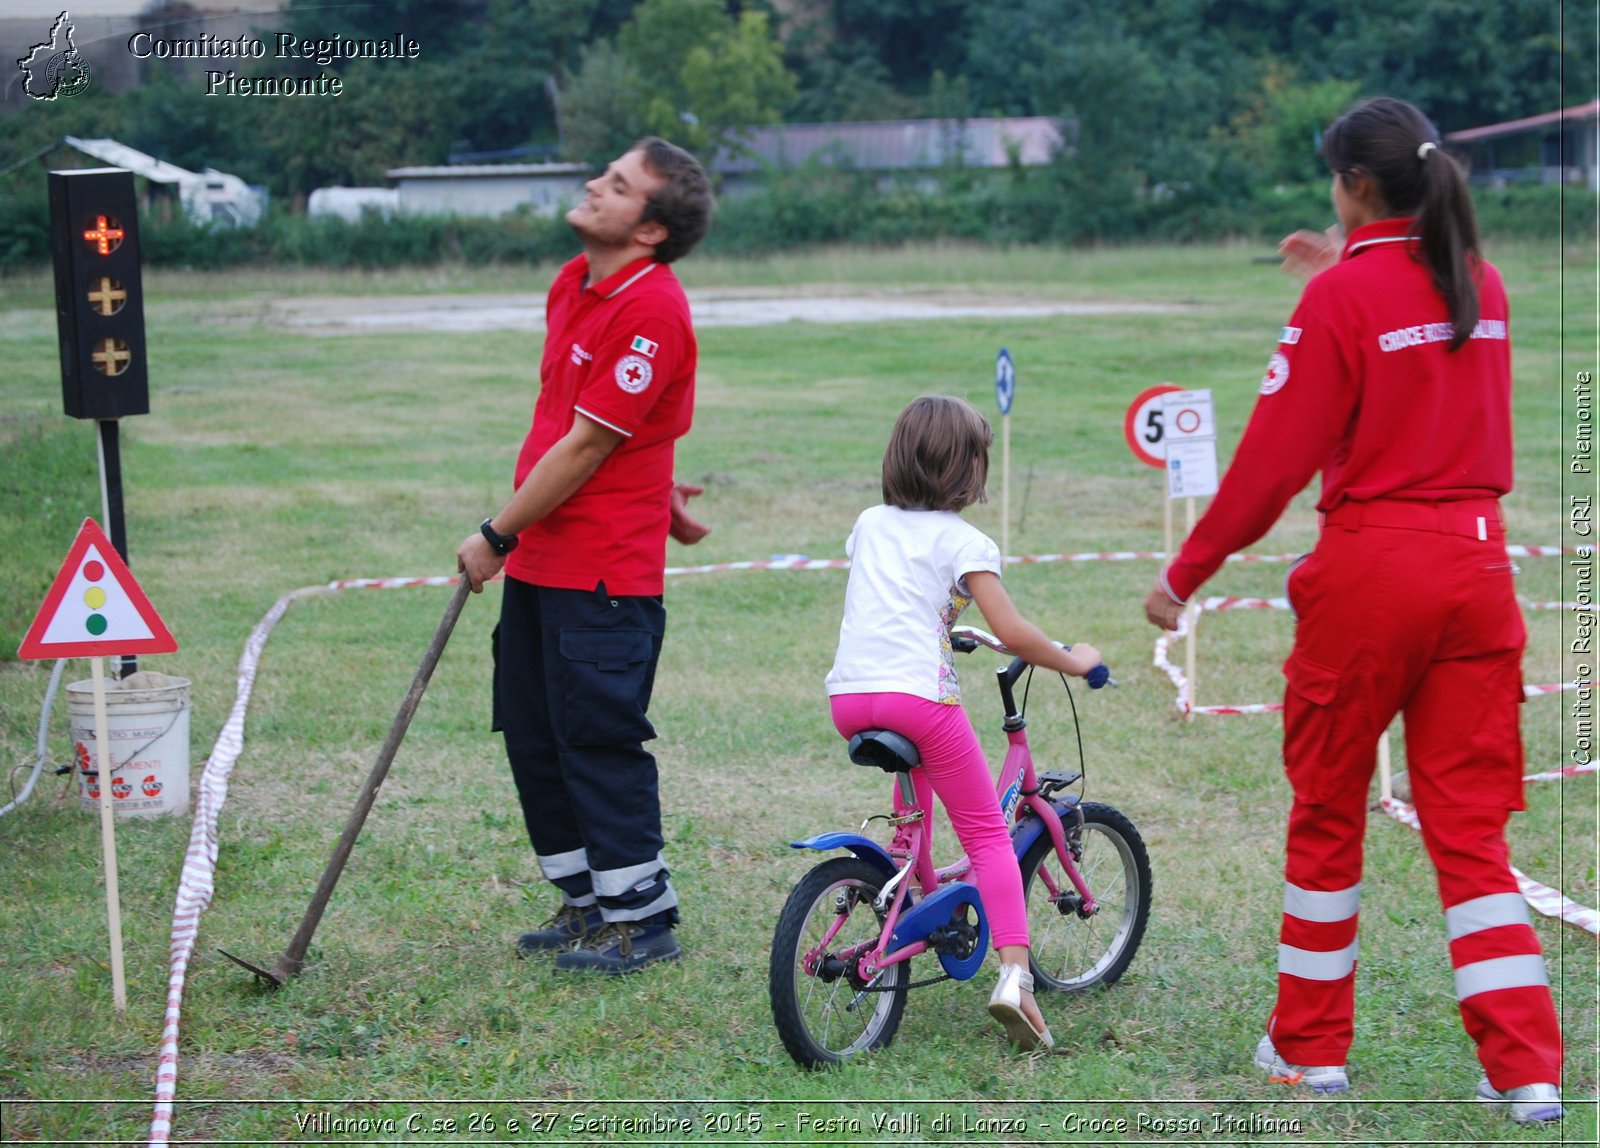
(1364, 388)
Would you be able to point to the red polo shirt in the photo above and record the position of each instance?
(621, 352)
(1364, 388)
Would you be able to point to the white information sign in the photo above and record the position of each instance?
(1191, 440)
(1191, 468)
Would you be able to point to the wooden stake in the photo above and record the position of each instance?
(1385, 779)
(1194, 622)
(1005, 487)
(108, 836)
(1166, 524)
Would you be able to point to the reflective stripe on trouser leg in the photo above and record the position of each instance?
(569, 872)
(635, 892)
(1313, 1021)
(1502, 986)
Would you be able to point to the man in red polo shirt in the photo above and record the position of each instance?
(583, 545)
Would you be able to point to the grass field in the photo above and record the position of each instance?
(273, 460)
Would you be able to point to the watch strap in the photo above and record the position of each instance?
(502, 544)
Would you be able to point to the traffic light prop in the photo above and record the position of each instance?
(94, 240)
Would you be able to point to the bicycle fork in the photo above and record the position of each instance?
(1088, 906)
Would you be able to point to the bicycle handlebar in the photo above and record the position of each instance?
(968, 638)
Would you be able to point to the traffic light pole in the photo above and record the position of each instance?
(111, 509)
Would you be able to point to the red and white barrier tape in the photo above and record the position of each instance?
(801, 562)
(1543, 899)
(1221, 603)
(195, 883)
(1563, 774)
(1540, 551)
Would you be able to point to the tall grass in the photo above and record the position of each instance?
(274, 460)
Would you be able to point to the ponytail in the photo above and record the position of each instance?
(1396, 145)
(1448, 230)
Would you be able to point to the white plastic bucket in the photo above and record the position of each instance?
(147, 724)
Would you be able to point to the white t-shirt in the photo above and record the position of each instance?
(907, 586)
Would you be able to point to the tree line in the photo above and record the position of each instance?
(1198, 100)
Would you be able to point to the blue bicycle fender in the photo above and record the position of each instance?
(863, 847)
(938, 910)
(1028, 830)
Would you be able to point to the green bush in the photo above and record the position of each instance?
(807, 207)
(371, 242)
(1536, 212)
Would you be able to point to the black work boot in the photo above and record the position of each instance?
(567, 927)
(621, 947)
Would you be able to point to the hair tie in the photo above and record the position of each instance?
(1422, 152)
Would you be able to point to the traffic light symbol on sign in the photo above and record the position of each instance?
(94, 232)
(95, 607)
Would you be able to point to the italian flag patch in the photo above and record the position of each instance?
(644, 346)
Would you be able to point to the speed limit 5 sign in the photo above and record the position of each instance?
(1145, 425)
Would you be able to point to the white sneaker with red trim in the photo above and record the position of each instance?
(1323, 1078)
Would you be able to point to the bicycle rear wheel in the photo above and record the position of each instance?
(813, 987)
(1073, 953)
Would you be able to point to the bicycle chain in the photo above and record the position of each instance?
(909, 987)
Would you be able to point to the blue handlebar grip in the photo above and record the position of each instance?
(1098, 676)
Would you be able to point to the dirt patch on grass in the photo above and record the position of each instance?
(756, 307)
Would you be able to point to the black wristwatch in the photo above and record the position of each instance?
(503, 543)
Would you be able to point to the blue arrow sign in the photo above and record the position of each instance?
(1005, 380)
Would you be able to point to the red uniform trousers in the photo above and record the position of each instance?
(1409, 608)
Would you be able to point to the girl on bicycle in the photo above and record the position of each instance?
(915, 564)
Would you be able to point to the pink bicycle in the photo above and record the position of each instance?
(842, 950)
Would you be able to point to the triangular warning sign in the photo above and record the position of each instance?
(95, 607)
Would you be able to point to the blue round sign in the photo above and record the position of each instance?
(1005, 381)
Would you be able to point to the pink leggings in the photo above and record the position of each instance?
(953, 766)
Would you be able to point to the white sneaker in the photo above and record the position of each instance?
(1530, 1104)
(1324, 1078)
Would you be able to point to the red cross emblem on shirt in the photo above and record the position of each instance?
(633, 374)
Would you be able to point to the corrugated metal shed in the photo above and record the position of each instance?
(132, 159)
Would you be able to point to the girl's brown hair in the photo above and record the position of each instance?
(938, 455)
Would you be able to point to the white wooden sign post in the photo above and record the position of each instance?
(1144, 426)
(1191, 429)
(95, 608)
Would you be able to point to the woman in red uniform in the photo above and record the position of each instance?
(1393, 379)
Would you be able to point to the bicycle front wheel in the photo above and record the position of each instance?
(823, 1015)
(1071, 952)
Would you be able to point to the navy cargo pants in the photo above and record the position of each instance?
(573, 675)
